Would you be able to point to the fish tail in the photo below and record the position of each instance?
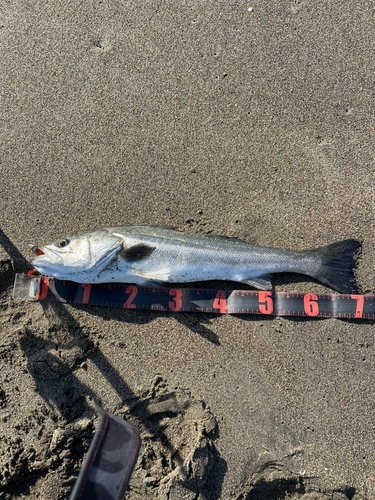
(338, 262)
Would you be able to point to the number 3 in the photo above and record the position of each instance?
(177, 302)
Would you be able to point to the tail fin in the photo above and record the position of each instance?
(338, 264)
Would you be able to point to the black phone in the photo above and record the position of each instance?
(110, 461)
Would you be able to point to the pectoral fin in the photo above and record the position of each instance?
(262, 282)
(136, 252)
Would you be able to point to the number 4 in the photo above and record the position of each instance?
(220, 301)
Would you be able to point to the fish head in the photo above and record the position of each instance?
(80, 257)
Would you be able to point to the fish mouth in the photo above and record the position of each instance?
(36, 250)
(45, 257)
(47, 262)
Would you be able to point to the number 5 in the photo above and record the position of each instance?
(265, 302)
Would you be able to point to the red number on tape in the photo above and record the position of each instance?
(133, 290)
(359, 308)
(43, 289)
(311, 307)
(265, 302)
(86, 293)
(220, 301)
(177, 302)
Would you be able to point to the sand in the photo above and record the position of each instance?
(209, 117)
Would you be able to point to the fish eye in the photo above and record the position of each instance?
(63, 243)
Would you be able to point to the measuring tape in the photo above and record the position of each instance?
(195, 299)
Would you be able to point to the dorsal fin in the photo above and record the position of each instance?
(166, 227)
(234, 238)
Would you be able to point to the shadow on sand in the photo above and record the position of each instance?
(54, 375)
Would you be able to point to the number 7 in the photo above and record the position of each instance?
(359, 307)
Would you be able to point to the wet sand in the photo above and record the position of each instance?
(212, 118)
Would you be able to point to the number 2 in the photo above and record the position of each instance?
(133, 290)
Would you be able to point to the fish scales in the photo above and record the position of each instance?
(226, 257)
(154, 255)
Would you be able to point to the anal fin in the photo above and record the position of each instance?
(160, 275)
(262, 282)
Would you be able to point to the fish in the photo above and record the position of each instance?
(155, 255)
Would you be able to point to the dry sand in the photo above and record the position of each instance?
(209, 117)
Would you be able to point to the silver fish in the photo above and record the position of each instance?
(155, 255)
